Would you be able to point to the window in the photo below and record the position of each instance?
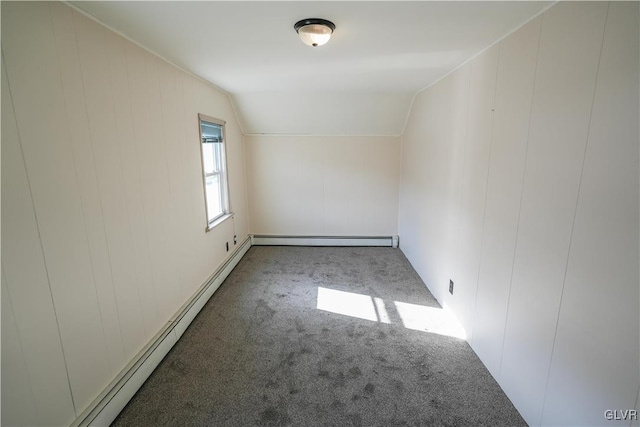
(214, 168)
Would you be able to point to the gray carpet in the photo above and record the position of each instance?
(261, 353)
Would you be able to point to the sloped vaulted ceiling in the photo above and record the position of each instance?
(361, 83)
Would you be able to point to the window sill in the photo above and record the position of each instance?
(218, 221)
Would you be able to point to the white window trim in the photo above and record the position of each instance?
(219, 220)
(223, 173)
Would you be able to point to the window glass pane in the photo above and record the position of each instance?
(218, 157)
(214, 205)
(210, 132)
(208, 158)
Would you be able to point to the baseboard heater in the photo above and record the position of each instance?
(106, 407)
(388, 241)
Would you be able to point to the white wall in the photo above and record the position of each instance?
(103, 214)
(329, 112)
(520, 183)
(323, 186)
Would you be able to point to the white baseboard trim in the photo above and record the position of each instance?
(388, 241)
(110, 402)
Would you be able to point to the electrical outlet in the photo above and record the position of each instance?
(227, 246)
(235, 239)
(451, 286)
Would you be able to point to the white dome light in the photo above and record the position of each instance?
(314, 31)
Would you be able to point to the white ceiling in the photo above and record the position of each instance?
(361, 83)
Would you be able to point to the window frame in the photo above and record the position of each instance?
(222, 173)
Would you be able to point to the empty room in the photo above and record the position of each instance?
(320, 213)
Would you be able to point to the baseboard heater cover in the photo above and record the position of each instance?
(115, 397)
(388, 241)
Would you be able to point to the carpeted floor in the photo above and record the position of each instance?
(261, 352)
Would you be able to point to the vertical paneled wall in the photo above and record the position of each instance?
(520, 183)
(102, 205)
(323, 186)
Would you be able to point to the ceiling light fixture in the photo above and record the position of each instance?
(314, 31)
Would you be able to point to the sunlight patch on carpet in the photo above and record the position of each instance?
(412, 316)
(429, 319)
(346, 303)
